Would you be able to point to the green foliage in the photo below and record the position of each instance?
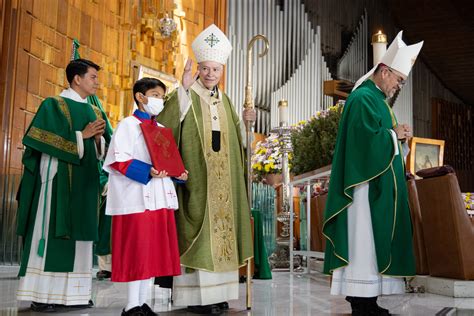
(314, 140)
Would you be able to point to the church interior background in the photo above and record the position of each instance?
(317, 50)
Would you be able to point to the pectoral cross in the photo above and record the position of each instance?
(171, 194)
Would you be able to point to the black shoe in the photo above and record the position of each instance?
(136, 311)
(223, 306)
(205, 309)
(147, 311)
(103, 274)
(380, 311)
(362, 306)
(43, 308)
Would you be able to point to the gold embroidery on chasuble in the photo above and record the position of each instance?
(97, 111)
(53, 140)
(219, 192)
(65, 109)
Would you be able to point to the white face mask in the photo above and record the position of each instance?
(154, 106)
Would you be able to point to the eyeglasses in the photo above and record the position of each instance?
(400, 80)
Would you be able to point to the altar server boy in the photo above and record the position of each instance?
(142, 202)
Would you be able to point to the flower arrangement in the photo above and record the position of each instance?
(267, 158)
(314, 140)
(468, 200)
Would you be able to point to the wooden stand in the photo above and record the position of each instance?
(338, 89)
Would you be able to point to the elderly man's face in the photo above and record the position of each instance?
(392, 81)
(210, 73)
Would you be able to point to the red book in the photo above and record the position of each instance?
(163, 150)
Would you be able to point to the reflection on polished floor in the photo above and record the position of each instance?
(286, 294)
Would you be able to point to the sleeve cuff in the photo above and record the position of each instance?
(100, 155)
(139, 171)
(243, 133)
(178, 181)
(395, 142)
(80, 144)
(405, 149)
(184, 102)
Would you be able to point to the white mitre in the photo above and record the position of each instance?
(399, 56)
(212, 45)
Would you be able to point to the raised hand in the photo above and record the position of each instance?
(188, 78)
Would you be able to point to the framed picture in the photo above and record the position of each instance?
(141, 71)
(425, 153)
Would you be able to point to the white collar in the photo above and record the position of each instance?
(70, 93)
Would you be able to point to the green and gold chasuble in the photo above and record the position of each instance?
(75, 188)
(213, 219)
(365, 153)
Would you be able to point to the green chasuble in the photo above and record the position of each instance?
(75, 188)
(213, 219)
(103, 245)
(365, 153)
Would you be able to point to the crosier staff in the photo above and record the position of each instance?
(249, 124)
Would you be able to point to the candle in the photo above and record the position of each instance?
(283, 112)
(379, 46)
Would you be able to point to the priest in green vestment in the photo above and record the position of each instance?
(213, 219)
(367, 220)
(102, 247)
(59, 196)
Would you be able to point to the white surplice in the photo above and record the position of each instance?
(205, 288)
(126, 196)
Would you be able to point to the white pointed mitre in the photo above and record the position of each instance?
(403, 57)
(398, 56)
(212, 45)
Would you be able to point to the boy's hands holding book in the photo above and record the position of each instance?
(183, 176)
(154, 173)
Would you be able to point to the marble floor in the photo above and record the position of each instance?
(286, 294)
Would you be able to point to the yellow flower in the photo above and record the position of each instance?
(267, 168)
(302, 122)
